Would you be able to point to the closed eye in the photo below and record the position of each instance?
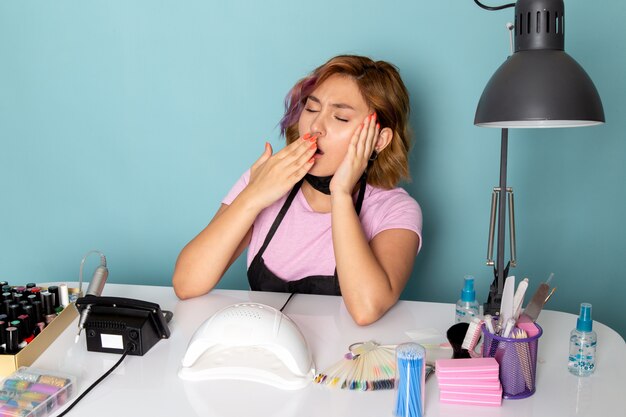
(341, 120)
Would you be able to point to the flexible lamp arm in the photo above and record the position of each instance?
(492, 306)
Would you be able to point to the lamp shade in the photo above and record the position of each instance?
(540, 85)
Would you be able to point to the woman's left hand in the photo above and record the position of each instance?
(360, 149)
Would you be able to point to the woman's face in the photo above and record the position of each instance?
(333, 111)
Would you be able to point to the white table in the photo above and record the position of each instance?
(149, 385)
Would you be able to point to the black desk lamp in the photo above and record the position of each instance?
(538, 86)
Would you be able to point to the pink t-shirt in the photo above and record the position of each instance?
(303, 245)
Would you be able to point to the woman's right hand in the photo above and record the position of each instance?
(273, 175)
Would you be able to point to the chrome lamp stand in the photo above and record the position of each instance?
(499, 198)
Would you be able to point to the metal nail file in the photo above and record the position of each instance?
(535, 305)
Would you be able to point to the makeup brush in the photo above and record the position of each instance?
(456, 335)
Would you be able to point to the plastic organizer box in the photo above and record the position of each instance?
(30, 392)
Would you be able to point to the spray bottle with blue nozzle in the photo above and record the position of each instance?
(582, 344)
(467, 306)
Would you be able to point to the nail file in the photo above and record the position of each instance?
(506, 307)
(535, 305)
(518, 299)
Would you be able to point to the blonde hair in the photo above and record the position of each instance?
(383, 90)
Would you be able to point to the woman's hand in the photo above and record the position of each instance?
(273, 175)
(360, 149)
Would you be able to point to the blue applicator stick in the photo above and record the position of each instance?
(410, 379)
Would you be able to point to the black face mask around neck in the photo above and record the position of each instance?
(321, 184)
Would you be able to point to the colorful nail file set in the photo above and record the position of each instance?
(30, 392)
(472, 381)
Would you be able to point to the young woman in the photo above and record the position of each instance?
(322, 215)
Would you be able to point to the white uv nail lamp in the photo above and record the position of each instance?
(249, 341)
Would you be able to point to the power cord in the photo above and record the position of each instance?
(107, 373)
(287, 302)
(494, 8)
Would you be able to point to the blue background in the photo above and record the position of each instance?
(124, 123)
